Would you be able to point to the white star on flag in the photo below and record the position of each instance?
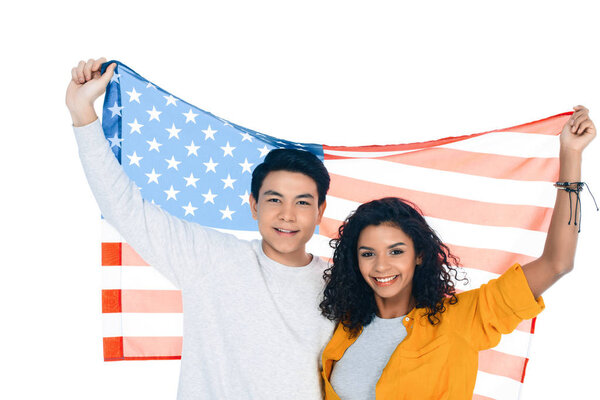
(116, 110)
(171, 100)
(190, 116)
(154, 113)
(153, 176)
(154, 145)
(209, 133)
(135, 126)
(171, 193)
(189, 209)
(228, 150)
(134, 159)
(190, 180)
(115, 141)
(245, 198)
(134, 96)
(173, 132)
(173, 163)
(210, 165)
(192, 149)
(209, 197)
(227, 213)
(246, 136)
(228, 182)
(246, 166)
(263, 151)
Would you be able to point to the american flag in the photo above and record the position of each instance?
(489, 195)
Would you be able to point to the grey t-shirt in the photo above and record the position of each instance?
(252, 328)
(355, 375)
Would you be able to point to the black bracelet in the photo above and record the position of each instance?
(578, 187)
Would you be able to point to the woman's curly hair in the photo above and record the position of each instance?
(350, 300)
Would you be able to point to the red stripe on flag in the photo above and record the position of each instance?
(111, 254)
(491, 260)
(147, 347)
(547, 126)
(454, 209)
(498, 363)
(524, 370)
(480, 397)
(111, 301)
(113, 348)
(131, 257)
(479, 164)
(152, 301)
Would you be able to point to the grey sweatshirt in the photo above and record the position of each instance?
(251, 326)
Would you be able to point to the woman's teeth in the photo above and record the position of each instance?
(383, 280)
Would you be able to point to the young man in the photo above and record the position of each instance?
(252, 325)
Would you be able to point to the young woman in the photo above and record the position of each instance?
(403, 332)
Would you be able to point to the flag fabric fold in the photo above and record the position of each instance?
(489, 195)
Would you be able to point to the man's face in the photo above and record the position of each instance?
(287, 212)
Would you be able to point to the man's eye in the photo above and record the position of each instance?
(304, 203)
(273, 200)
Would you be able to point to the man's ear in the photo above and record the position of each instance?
(321, 211)
(253, 206)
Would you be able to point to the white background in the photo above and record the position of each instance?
(332, 72)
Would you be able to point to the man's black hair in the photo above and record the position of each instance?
(292, 160)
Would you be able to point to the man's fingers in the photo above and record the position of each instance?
(87, 70)
(80, 76)
(108, 74)
(74, 75)
(98, 63)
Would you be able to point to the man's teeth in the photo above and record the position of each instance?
(383, 280)
(284, 230)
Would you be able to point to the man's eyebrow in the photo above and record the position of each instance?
(305, 195)
(300, 196)
(272, 193)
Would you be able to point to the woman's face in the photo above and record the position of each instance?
(387, 260)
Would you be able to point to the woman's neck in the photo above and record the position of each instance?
(396, 306)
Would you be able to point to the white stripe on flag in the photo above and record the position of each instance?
(514, 240)
(454, 184)
(510, 144)
(515, 343)
(142, 324)
(496, 387)
(134, 278)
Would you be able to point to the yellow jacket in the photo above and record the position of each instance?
(440, 361)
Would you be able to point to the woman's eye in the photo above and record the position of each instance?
(366, 254)
(397, 252)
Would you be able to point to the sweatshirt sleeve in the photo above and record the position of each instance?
(177, 248)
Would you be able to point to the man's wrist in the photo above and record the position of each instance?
(83, 116)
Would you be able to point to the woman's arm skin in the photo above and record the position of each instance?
(561, 241)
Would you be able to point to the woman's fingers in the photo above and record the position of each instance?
(577, 118)
(584, 125)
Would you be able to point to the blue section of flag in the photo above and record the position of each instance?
(190, 162)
